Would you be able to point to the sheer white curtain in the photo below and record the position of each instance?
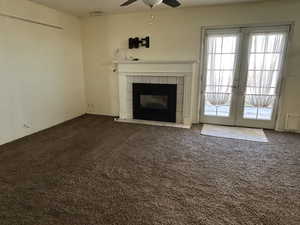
(264, 65)
(219, 75)
(218, 93)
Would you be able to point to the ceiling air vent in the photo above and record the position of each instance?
(96, 13)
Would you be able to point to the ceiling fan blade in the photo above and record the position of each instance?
(172, 3)
(128, 2)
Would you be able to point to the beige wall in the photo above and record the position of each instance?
(175, 35)
(41, 72)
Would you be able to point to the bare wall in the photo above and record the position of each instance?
(41, 70)
(175, 35)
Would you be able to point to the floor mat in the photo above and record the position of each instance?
(240, 133)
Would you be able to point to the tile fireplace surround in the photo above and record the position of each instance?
(157, 72)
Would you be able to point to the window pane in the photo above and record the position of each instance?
(259, 107)
(215, 44)
(227, 61)
(219, 77)
(258, 43)
(272, 61)
(270, 78)
(214, 62)
(229, 45)
(217, 104)
(275, 43)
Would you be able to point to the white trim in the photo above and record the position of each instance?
(283, 76)
(159, 67)
(153, 123)
(212, 32)
(257, 25)
(154, 74)
(155, 62)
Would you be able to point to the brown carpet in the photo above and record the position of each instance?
(92, 170)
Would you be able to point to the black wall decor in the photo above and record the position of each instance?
(136, 42)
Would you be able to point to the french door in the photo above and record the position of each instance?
(242, 75)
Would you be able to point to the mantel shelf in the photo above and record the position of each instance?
(155, 62)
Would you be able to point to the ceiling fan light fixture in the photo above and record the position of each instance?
(152, 3)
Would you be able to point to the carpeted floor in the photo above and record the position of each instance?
(92, 170)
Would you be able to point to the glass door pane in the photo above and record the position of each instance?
(221, 56)
(265, 56)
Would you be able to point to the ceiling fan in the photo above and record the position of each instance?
(152, 3)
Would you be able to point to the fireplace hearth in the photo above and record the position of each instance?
(156, 102)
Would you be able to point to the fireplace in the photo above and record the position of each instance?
(175, 73)
(155, 102)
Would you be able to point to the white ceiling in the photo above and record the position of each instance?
(83, 7)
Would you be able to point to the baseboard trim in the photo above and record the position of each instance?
(288, 131)
(101, 114)
(44, 129)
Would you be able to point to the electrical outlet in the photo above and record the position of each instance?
(91, 107)
(26, 126)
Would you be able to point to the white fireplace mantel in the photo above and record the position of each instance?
(156, 72)
(156, 66)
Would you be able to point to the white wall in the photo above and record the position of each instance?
(175, 35)
(41, 71)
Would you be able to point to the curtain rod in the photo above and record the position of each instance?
(31, 21)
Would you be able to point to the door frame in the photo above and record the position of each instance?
(202, 56)
(268, 124)
(221, 120)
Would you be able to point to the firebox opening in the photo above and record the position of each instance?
(155, 102)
